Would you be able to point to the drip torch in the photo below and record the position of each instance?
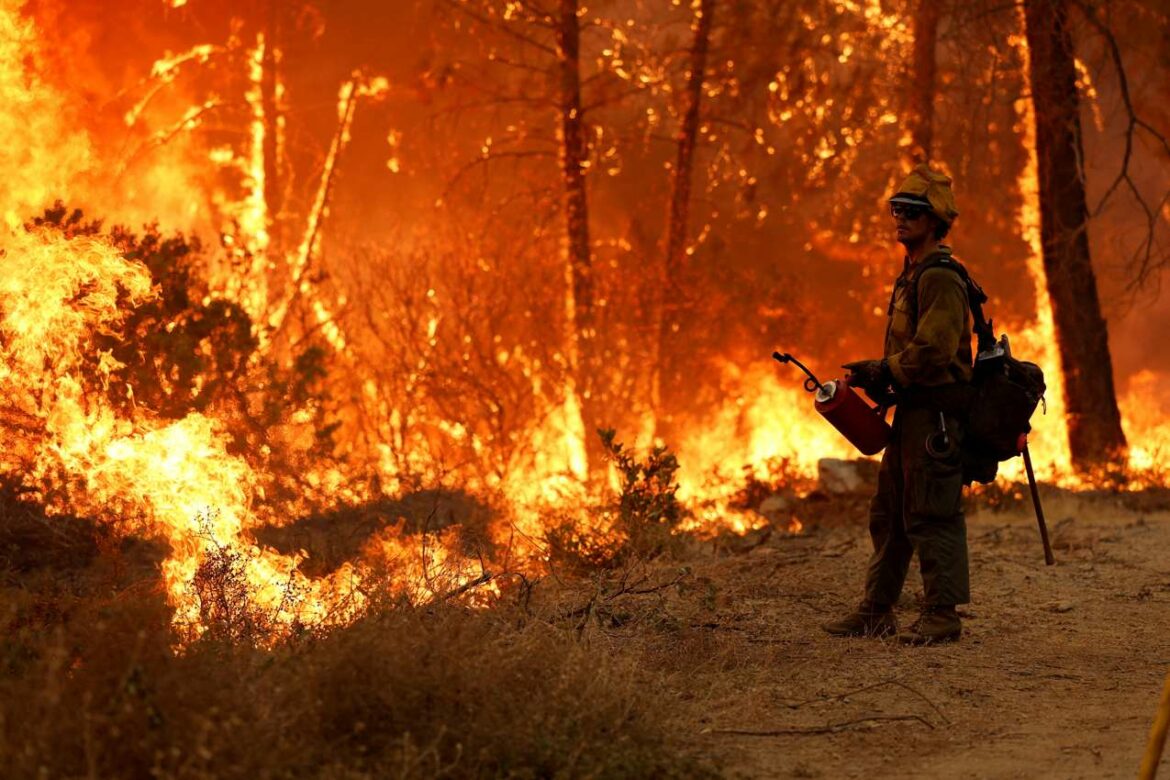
(863, 425)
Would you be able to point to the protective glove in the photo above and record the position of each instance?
(872, 376)
(885, 399)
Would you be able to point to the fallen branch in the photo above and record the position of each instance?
(883, 683)
(922, 696)
(653, 589)
(469, 585)
(831, 728)
(623, 589)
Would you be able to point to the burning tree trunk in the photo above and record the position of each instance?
(270, 101)
(574, 153)
(300, 261)
(1094, 423)
(667, 378)
(920, 106)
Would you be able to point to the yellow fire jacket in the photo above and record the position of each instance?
(935, 350)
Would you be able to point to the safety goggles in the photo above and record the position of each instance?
(907, 211)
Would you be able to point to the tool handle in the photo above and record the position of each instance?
(1048, 557)
(1157, 740)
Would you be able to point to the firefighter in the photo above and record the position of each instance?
(925, 370)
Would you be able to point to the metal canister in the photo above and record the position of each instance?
(863, 425)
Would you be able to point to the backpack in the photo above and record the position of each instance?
(1005, 391)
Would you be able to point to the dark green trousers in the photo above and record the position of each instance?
(918, 508)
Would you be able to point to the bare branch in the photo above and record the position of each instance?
(1145, 251)
(487, 158)
(611, 99)
(524, 66)
(500, 25)
(161, 138)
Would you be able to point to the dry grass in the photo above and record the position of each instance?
(91, 686)
(406, 694)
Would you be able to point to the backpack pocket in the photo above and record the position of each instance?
(1005, 399)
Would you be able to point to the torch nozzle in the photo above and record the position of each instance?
(812, 383)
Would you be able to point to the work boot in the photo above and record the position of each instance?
(876, 620)
(935, 625)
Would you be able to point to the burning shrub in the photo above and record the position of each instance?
(451, 341)
(187, 349)
(180, 350)
(775, 476)
(576, 545)
(228, 609)
(638, 523)
(648, 508)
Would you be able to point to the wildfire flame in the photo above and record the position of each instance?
(181, 480)
(175, 479)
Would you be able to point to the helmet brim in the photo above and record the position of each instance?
(910, 199)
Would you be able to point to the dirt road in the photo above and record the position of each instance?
(1057, 675)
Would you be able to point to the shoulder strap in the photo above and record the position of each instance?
(975, 295)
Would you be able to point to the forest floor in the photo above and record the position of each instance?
(1057, 674)
(705, 661)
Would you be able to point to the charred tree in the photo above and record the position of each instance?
(1094, 423)
(668, 379)
(574, 158)
(920, 105)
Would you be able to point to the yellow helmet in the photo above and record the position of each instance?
(925, 187)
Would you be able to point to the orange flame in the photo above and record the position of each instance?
(178, 479)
